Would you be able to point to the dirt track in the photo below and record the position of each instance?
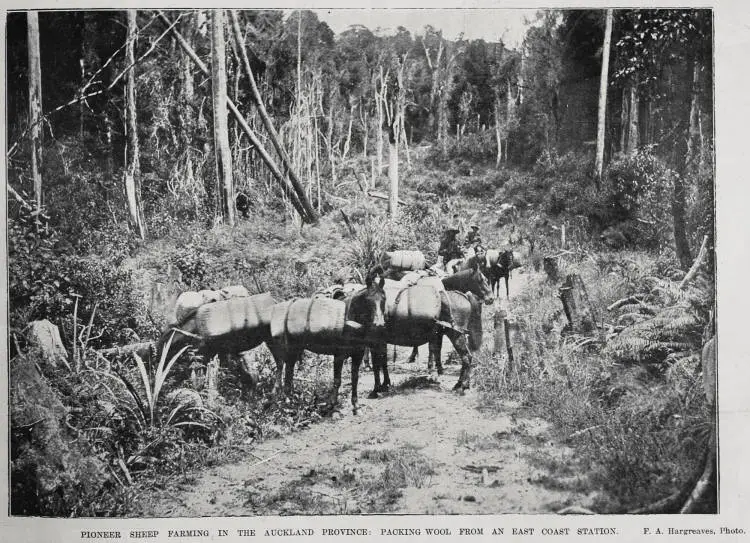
(421, 449)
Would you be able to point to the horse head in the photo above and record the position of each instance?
(480, 285)
(368, 305)
(471, 280)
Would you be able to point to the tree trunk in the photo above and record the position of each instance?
(679, 195)
(694, 132)
(35, 104)
(379, 111)
(632, 145)
(393, 168)
(578, 309)
(221, 131)
(272, 134)
(132, 158)
(603, 99)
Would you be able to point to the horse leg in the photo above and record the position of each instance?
(338, 363)
(460, 344)
(356, 361)
(413, 356)
(379, 356)
(289, 370)
(279, 355)
(384, 367)
(375, 357)
(507, 290)
(436, 346)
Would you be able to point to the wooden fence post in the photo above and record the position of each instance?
(499, 334)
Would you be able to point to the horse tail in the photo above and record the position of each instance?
(475, 322)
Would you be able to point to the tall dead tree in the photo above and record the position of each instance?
(308, 212)
(132, 156)
(221, 130)
(603, 81)
(35, 104)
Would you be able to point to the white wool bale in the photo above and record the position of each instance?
(186, 304)
(234, 291)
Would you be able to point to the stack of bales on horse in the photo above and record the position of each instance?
(226, 326)
(342, 328)
(425, 314)
(397, 263)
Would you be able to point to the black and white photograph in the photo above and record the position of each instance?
(350, 262)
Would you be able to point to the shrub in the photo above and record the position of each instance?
(46, 276)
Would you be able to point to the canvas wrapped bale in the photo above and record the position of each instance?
(315, 320)
(246, 319)
(188, 302)
(404, 260)
(415, 305)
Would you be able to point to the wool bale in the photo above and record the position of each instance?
(308, 319)
(248, 315)
(186, 304)
(405, 260)
(492, 257)
(210, 296)
(234, 291)
(415, 304)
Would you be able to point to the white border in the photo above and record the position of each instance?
(732, 45)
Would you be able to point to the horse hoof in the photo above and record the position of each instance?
(440, 371)
(373, 395)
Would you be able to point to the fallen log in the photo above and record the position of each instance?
(141, 349)
(634, 299)
(696, 265)
(382, 196)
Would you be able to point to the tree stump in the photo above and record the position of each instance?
(45, 336)
(499, 333)
(550, 265)
(578, 309)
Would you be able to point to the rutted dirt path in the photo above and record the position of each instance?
(417, 450)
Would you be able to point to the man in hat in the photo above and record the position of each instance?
(473, 238)
(450, 248)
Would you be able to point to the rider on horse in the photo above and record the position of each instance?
(450, 248)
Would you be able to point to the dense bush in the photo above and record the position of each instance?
(46, 276)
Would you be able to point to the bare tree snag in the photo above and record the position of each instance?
(221, 129)
(603, 81)
(393, 169)
(35, 104)
(297, 198)
(578, 308)
(272, 134)
(132, 156)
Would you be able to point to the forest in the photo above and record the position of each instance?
(154, 153)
